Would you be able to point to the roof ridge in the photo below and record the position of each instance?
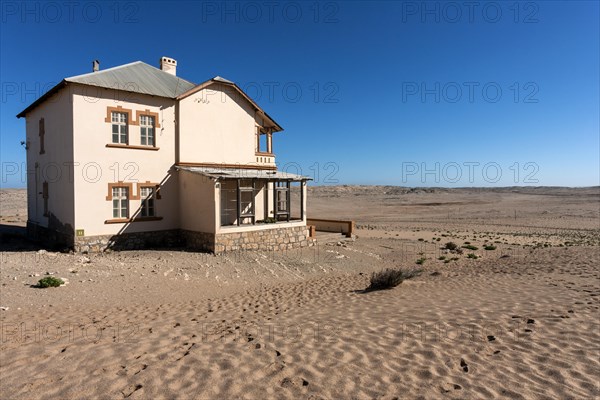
(221, 79)
(105, 70)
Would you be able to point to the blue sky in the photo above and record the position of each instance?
(400, 93)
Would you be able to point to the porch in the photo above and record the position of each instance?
(243, 208)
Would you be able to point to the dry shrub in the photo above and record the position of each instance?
(390, 278)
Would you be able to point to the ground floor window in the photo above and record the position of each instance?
(238, 202)
(251, 201)
(282, 201)
(120, 201)
(147, 208)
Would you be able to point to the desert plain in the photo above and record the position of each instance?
(513, 314)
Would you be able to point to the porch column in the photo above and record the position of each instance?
(302, 186)
(288, 199)
(253, 202)
(270, 142)
(275, 200)
(239, 202)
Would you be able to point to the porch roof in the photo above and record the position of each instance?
(243, 173)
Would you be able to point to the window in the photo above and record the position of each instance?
(119, 127)
(45, 196)
(42, 133)
(120, 200)
(147, 130)
(228, 202)
(264, 142)
(282, 200)
(246, 203)
(147, 194)
(238, 202)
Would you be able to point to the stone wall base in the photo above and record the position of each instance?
(286, 238)
(129, 241)
(198, 240)
(49, 237)
(269, 239)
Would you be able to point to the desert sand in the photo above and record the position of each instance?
(519, 321)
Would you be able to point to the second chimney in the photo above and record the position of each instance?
(168, 65)
(95, 66)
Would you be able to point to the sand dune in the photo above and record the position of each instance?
(169, 324)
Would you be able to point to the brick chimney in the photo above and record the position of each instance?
(168, 65)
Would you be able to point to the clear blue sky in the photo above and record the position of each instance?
(368, 93)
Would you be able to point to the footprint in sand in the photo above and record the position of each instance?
(130, 390)
(448, 387)
(291, 382)
(463, 365)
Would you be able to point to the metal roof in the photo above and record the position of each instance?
(243, 173)
(137, 77)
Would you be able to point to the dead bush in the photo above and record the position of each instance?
(390, 278)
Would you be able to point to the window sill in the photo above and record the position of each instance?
(266, 154)
(129, 220)
(128, 146)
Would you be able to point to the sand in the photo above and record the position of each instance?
(520, 321)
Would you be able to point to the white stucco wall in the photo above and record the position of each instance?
(197, 202)
(217, 126)
(99, 165)
(55, 165)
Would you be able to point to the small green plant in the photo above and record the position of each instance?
(467, 242)
(441, 257)
(451, 246)
(421, 261)
(472, 255)
(490, 247)
(470, 247)
(390, 278)
(454, 259)
(49, 281)
(421, 239)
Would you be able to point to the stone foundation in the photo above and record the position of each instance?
(285, 238)
(49, 237)
(198, 240)
(268, 239)
(129, 241)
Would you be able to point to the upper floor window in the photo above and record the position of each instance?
(264, 141)
(42, 133)
(120, 199)
(147, 194)
(147, 130)
(119, 127)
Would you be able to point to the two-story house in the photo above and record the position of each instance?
(134, 156)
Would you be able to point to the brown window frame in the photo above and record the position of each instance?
(129, 122)
(133, 196)
(268, 150)
(148, 113)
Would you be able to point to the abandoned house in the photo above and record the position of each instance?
(135, 156)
